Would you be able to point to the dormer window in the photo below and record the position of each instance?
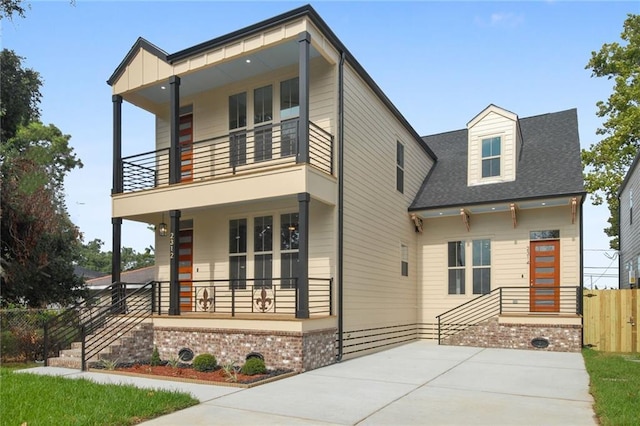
(491, 149)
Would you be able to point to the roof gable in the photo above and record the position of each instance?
(549, 165)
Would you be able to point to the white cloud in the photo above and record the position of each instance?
(501, 20)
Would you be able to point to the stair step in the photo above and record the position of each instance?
(65, 362)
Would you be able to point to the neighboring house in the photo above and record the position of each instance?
(307, 218)
(87, 274)
(138, 276)
(629, 243)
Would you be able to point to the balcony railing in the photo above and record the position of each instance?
(274, 296)
(552, 300)
(262, 147)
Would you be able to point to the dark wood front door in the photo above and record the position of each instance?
(186, 148)
(185, 269)
(545, 276)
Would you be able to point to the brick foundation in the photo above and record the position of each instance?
(491, 334)
(289, 350)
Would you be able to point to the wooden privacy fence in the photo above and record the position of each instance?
(611, 320)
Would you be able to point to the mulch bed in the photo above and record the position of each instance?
(186, 373)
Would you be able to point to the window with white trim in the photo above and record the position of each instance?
(491, 150)
(238, 253)
(404, 260)
(237, 137)
(263, 251)
(481, 266)
(289, 247)
(455, 251)
(399, 167)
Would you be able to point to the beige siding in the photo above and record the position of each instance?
(211, 109)
(491, 125)
(509, 253)
(376, 221)
(146, 69)
(211, 239)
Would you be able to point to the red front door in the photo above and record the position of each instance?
(185, 269)
(545, 276)
(186, 148)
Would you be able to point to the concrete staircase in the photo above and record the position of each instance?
(131, 346)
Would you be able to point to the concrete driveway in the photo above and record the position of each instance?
(419, 383)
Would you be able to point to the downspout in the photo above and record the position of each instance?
(340, 203)
(581, 292)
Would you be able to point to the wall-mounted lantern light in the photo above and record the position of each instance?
(162, 228)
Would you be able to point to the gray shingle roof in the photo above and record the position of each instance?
(549, 165)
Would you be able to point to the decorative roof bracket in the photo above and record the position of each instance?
(417, 222)
(465, 218)
(514, 211)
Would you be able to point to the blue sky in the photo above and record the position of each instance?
(440, 63)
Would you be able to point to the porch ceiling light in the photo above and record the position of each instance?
(162, 228)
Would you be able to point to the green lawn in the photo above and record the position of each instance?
(615, 386)
(45, 400)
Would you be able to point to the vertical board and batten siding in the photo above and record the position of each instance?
(630, 231)
(493, 124)
(376, 220)
(509, 253)
(611, 320)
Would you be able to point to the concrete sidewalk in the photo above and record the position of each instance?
(414, 384)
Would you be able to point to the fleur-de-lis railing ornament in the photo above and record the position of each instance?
(205, 302)
(263, 303)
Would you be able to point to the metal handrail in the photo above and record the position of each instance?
(102, 330)
(504, 300)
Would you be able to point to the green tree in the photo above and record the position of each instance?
(10, 7)
(19, 94)
(607, 161)
(92, 257)
(39, 243)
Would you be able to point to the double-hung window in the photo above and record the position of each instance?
(263, 114)
(481, 266)
(238, 253)
(456, 267)
(237, 129)
(289, 245)
(491, 149)
(263, 250)
(404, 262)
(289, 109)
(399, 167)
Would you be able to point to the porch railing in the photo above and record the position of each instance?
(275, 296)
(510, 300)
(262, 147)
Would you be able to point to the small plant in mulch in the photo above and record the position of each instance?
(253, 366)
(204, 362)
(230, 371)
(155, 357)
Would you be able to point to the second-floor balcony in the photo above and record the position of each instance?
(239, 152)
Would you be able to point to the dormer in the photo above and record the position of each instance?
(492, 147)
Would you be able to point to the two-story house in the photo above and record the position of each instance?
(301, 216)
(629, 237)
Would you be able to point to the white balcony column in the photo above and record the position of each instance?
(174, 117)
(304, 40)
(174, 263)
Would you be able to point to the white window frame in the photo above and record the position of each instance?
(500, 157)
